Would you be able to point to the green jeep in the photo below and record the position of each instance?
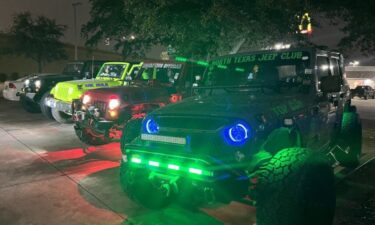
(64, 93)
(264, 128)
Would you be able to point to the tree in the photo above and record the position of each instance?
(358, 18)
(37, 38)
(192, 27)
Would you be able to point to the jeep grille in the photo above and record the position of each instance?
(102, 106)
(191, 123)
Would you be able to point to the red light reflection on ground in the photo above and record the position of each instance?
(80, 172)
(80, 163)
(109, 151)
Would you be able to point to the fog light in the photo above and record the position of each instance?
(113, 113)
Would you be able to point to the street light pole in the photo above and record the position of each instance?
(75, 28)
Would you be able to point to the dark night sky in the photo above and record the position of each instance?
(62, 11)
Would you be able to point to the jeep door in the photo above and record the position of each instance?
(325, 111)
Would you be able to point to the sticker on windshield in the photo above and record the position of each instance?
(259, 58)
(162, 65)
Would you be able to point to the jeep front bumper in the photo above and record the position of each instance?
(59, 105)
(28, 95)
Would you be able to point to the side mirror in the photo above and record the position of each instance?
(330, 84)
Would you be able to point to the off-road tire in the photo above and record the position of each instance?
(295, 187)
(88, 136)
(61, 117)
(29, 106)
(350, 136)
(135, 183)
(46, 111)
(131, 130)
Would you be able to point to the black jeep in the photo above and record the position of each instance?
(363, 91)
(37, 88)
(263, 128)
(102, 113)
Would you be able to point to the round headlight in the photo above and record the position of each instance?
(27, 82)
(237, 134)
(38, 83)
(86, 99)
(151, 126)
(114, 102)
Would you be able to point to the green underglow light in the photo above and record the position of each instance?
(222, 66)
(181, 59)
(240, 69)
(202, 63)
(136, 160)
(153, 163)
(195, 171)
(173, 167)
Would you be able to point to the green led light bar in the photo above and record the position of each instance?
(195, 171)
(166, 139)
(153, 163)
(136, 160)
(240, 69)
(181, 59)
(202, 63)
(173, 167)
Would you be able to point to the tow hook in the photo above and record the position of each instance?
(167, 184)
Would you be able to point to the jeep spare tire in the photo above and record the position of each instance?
(60, 116)
(295, 187)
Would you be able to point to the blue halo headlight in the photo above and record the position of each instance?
(236, 134)
(150, 126)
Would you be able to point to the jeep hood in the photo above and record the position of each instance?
(69, 90)
(232, 106)
(130, 94)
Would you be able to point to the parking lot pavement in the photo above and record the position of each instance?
(47, 178)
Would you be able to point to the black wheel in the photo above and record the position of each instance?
(295, 187)
(139, 187)
(61, 117)
(46, 111)
(350, 139)
(131, 130)
(366, 97)
(91, 137)
(29, 106)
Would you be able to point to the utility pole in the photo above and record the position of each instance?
(75, 4)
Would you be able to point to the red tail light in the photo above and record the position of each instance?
(175, 98)
(11, 85)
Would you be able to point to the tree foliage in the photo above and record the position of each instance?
(192, 27)
(37, 38)
(358, 18)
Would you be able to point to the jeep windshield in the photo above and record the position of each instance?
(285, 71)
(164, 73)
(112, 70)
(73, 68)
